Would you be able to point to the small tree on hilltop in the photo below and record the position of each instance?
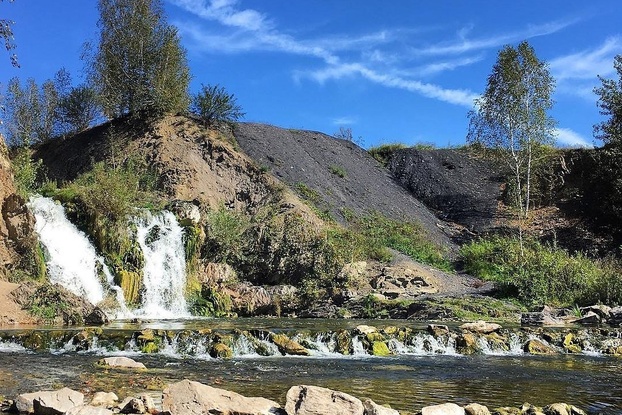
(610, 104)
(139, 63)
(511, 116)
(213, 104)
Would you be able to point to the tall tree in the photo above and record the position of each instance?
(511, 117)
(139, 63)
(610, 104)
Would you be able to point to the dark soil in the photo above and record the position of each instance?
(458, 187)
(336, 175)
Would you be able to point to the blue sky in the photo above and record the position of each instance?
(392, 71)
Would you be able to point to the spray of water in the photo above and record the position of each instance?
(164, 275)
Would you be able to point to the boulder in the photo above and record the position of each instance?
(107, 399)
(132, 406)
(88, 410)
(221, 350)
(546, 317)
(287, 345)
(372, 408)
(365, 330)
(602, 310)
(194, 398)
(507, 410)
(97, 317)
(476, 409)
(466, 343)
(121, 362)
(557, 409)
(315, 400)
(438, 330)
(615, 316)
(380, 348)
(481, 327)
(443, 409)
(535, 346)
(589, 319)
(150, 406)
(57, 402)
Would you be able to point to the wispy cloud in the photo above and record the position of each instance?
(381, 57)
(587, 63)
(569, 138)
(347, 120)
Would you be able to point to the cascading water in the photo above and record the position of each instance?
(70, 257)
(164, 275)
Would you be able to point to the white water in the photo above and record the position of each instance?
(164, 275)
(70, 257)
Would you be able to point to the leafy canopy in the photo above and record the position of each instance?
(139, 63)
(610, 104)
(214, 104)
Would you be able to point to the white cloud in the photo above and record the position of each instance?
(347, 120)
(569, 138)
(588, 63)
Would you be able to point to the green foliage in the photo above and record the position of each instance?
(26, 171)
(211, 303)
(307, 193)
(77, 110)
(139, 64)
(337, 171)
(213, 104)
(610, 105)
(114, 192)
(511, 116)
(384, 152)
(225, 240)
(539, 274)
(6, 35)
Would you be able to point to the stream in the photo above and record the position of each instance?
(407, 380)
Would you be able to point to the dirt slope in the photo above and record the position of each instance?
(337, 173)
(457, 186)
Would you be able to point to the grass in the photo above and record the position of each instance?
(541, 274)
(337, 171)
(384, 152)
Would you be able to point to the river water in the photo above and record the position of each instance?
(406, 381)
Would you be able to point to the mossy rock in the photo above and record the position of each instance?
(535, 346)
(507, 410)
(221, 351)
(131, 283)
(380, 348)
(404, 334)
(287, 345)
(570, 344)
(390, 330)
(466, 343)
(146, 335)
(344, 342)
(374, 337)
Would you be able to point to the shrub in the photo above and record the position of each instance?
(337, 171)
(25, 171)
(542, 274)
(384, 152)
(213, 104)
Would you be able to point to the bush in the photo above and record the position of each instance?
(384, 152)
(25, 171)
(543, 274)
(213, 104)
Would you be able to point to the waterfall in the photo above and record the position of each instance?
(164, 275)
(70, 257)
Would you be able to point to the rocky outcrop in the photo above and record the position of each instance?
(121, 362)
(18, 240)
(193, 398)
(314, 400)
(49, 402)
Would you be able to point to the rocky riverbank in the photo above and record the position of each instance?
(193, 398)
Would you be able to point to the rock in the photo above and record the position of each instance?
(150, 406)
(535, 346)
(107, 399)
(222, 351)
(615, 316)
(187, 212)
(372, 408)
(88, 410)
(365, 330)
(380, 348)
(443, 409)
(23, 403)
(557, 409)
(438, 330)
(96, 318)
(576, 411)
(194, 398)
(529, 409)
(507, 410)
(570, 344)
(121, 362)
(546, 317)
(476, 409)
(314, 400)
(57, 402)
(589, 319)
(466, 343)
(132, 406)
(481, 327)
(602, 310)
(287, 345)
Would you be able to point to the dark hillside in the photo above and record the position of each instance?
(336, 175)
(458, 187)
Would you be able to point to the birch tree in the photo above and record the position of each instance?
(511, 117)
(139, 63)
